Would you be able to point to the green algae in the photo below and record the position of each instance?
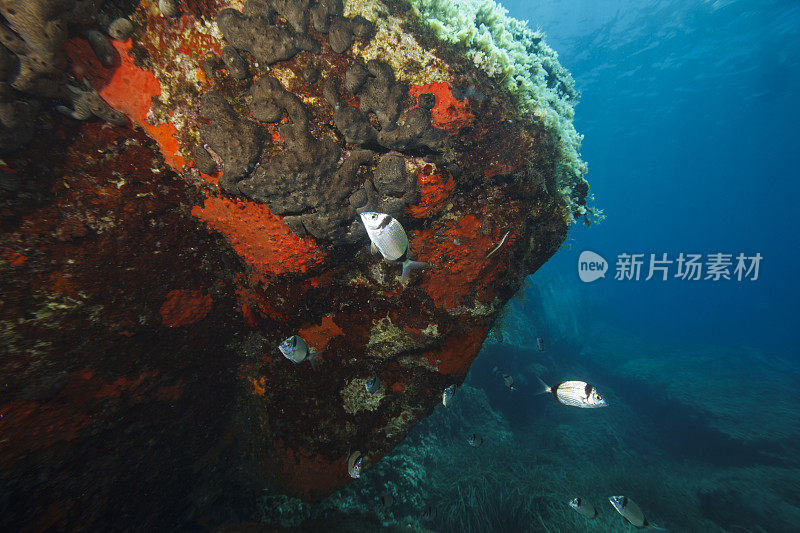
(509, 51)
(387, 340)
(356, 397)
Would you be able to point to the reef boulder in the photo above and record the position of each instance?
(145, 295)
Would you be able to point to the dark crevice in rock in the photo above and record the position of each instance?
(33, 65)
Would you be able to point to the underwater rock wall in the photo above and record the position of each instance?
(34, 67)
(147, 284)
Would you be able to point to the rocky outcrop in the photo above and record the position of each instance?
(161, 290)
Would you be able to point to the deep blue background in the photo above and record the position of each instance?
(690, 114)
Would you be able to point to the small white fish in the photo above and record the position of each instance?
(475, 440)
(575, 393)
(509, 381)
(354, 463)
(296, 350)
(447, 395)
(632, 513)
(583, 507)
(372, 384)
(388, 237)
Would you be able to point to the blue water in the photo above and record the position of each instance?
(690, 112)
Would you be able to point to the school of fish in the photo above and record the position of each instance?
(388, 238)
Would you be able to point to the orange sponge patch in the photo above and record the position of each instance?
(448, 113)
(126, 88)
(319, 336)
(434, 192)
(184, 307)
(261, 238)
(458, 352)
(456, 254)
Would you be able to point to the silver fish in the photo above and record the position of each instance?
(508, 381)
(372, 384)
(575, 393)
(475, 440)
(294, 349)
(388, 237)
(540, 344)
(354, 463)
(583, 507)
(632, 513)
(447, 395)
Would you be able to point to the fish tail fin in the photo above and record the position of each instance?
(408, 266)
(543, 387)
(313, 358)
